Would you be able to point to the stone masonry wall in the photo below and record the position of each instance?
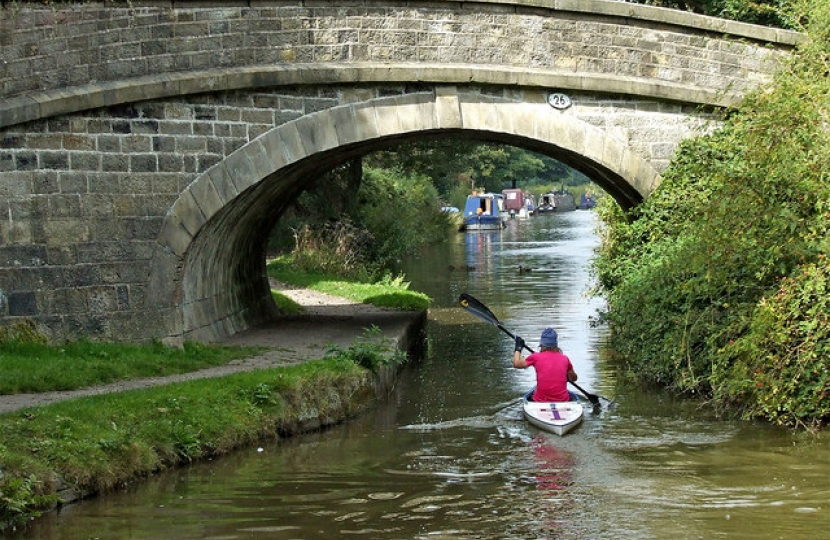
(83, 197)
(91, 161)
(46, 48)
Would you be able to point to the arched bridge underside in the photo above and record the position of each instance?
(149, 152)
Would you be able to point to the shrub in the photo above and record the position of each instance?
(714, 284)
(778, 368)
(370, 351)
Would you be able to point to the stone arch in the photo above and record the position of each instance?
(208, 274)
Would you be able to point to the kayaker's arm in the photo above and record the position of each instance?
(518, 360)
(572, 376)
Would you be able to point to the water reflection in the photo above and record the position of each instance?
(450, 457)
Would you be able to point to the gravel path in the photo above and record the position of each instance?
(326, 321)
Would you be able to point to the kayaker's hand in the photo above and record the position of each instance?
(520, 344)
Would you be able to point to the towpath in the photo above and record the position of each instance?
(326, 321)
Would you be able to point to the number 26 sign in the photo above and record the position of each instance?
(559, 101)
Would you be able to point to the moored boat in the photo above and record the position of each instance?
(484, 211)
(530, 204)
(547, 203)
(587, 201)
(514, 203)
(558, 418)
(564, 201)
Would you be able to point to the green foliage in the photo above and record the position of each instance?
(337, 247)
(386, 291)
(778, 368)
(371, 351)
(21, 332)
(29, 366)
(765, 12)
(286, 305)
(402, 211)
(100, 442)
(694, 276)
(20, 499)
(357, 230)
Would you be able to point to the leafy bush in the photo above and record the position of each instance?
(358, 231)
(765, 12)
(695, 276)
(334, 248)
(778, 369)
(370, 351)
(402, 211)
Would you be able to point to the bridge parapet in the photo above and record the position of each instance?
(63, 58)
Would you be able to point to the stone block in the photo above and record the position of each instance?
(206, 196)
(225, 188)
(198, 314)
(240, 171)
(447, 107)
(292, 146)
(366, 122)
(273, 149)
(102, 300)
(342, 118)
(523, 119)
(17, 232)
(572, 136)
(66, 232)
(386, 117)
(612, 154)
(479, 113)
(187, 212)
(82, 276)
(317, 133)
(262, 162)
(22, 304)
(62, 256)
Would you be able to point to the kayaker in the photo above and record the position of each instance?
(553, 368)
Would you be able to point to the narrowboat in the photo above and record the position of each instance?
(547, 203)
(484, 212)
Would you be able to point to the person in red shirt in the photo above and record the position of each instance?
(553, 368)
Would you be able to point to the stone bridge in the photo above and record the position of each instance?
(148, 148)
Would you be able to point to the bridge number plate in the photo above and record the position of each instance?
(559, 101)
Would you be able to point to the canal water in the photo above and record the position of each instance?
(449, 457)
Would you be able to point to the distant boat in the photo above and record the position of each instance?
(484, 212)
(564, 201)
(587, 201)
(518, 203)
(557, 201)
(530, 204)
(547, 203)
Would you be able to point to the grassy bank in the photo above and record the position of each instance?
(387, 292)
(32, 367)
(90, 445)
(94, 444)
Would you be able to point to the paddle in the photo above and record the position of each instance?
(483, 312)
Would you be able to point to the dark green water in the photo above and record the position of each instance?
(448, 457)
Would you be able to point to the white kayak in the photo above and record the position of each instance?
(557, 418)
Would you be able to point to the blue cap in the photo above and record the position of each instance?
(549, 338)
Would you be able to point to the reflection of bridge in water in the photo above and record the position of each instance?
(146, 156)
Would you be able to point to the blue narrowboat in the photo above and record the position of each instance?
(483, 212)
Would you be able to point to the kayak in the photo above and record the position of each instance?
(557, 418)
